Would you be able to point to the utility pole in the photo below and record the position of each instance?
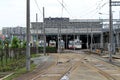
(28, 36)
(66, 40)
(44, 49)
(74, 36)
(58, 50)
(102, 36)
(110, 31)
(87, 37)
(37, 33)
(91, 38)
(111, 3)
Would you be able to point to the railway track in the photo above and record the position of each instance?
(96, 67)
(76, 67)
(65, 63)
(39, 70)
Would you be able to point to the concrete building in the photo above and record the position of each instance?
(18, 31)
(68, 29)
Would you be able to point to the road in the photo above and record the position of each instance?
(74, 66)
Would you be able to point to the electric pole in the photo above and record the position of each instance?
(74, 36)
(28, 36)
(44, 49)
(37, 33)
(91, 38)
(110, 31)
(87, 38)
(58, 50)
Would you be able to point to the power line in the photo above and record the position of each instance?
(62, 4)
(38, 6)
(97, 9)
(100, 2)
(103, 5)
(93, 9)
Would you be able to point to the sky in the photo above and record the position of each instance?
(13, 12)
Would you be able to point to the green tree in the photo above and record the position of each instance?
(15, 42)
(14, 45)
(23, 44)
(1, 52)
(6, 50)
(6, 43)
(1, 44)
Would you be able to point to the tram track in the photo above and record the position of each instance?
(69, 63)
(39, 70)
(91, 66)
(104, 64)
(91, 62)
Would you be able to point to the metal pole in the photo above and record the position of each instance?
(91, 38)
(58, 39)
(101, 35)
(37, 33)
(74, 37)
(28, 36)
(87, 37)
(66, 40)
(110, 31)
(44, 51)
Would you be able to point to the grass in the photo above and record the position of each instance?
(19, 72)
(35, 55)
(4, 61)
(22, 71)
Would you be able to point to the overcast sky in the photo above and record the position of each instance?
(13, 12)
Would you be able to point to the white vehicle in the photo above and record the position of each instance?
(52, 43)
(77, 44)
(41, 43)
(71, 45)
(62, 44)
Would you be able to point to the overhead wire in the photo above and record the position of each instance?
(38, 9)
(63, 5)
(38, 6)
(97, 9)
(103, 5)
(93, 9)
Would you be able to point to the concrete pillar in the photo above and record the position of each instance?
(101, 40)
(117, 39)
(66, 41)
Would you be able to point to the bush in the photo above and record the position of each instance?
(13, 65)
(48, 49)
(51, 49)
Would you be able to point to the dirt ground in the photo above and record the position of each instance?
(76, 66)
